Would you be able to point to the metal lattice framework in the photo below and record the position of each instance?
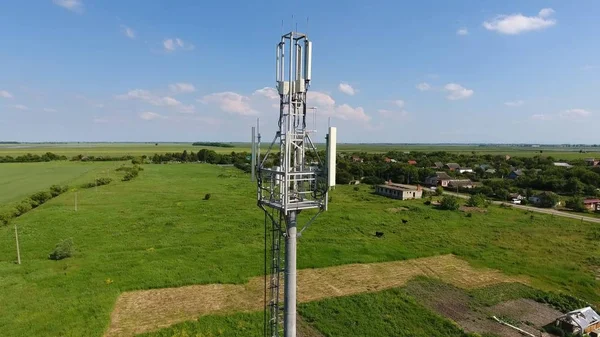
(291, 184)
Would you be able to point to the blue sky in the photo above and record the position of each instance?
(384, 71)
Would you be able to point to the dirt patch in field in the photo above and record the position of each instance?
(456, 304)
(397, 209)
(472, 209)
(142, 311)
(530, 315)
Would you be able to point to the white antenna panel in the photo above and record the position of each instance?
(331, 155)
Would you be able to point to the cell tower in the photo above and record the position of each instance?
(291, 181)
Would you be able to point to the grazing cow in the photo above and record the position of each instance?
(378, 234)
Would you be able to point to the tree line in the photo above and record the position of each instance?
(213, 144)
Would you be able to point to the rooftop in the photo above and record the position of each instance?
(582, 317)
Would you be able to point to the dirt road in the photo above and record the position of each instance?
(536, 209)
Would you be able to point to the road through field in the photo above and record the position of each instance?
(147, 310)
(535, 209)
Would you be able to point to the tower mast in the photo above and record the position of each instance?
(293, 180)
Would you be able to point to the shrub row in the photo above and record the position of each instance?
(97, 182)
(32, 202)
(130, 172)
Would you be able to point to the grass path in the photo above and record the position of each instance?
(146, 310)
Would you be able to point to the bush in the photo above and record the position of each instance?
(56, 190)
(97, 182)
(477, 200)
(207, 196)
(136, 161)
(24, 207)
(548, 199)
(63, 250)
(40, 198)
(356, 188)
(130, 175)
(439, 191)
(576, 204)
(449, 203)
(5, 218)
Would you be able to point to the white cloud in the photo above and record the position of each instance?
(148, 116)
(346, 112)
(182, 88)
(457, 91)
(541, 117)
(423, 86)
(518, 23)
(267, 92)
(127, 31)
(462, 31)
(546, 12)
(156, 100)
(399, 103)
(72, 5)
(49, 110)
(326, 106)
(5, 94)
(347, 89)
(20, 107)
(319, 99)
(171, 45)
(231, 102)
(574, 114)
(514, 103)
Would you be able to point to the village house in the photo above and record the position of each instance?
(465, 170)
(440, 178)
(460, 183)
(515, 174)
(412, 162)
(400, 191)
(490, 171)
(452, 166)
(580, 321)
(592, 204)
(591, 162)
(438, 165)
(357, 159)
(560, 164)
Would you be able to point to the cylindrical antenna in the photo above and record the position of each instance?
(298, 61)
(307, 59)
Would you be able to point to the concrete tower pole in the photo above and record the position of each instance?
(290, 276)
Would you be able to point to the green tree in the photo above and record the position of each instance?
(576, 203)
(477, 200)
(449, 203)
(548, 199)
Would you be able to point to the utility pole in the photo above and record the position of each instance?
(18, 250)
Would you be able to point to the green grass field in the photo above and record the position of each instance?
(18, 180)
(156, 231)
(138, 149)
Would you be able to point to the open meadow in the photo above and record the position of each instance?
(148, 149)
(18, 180)
(155, 231)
